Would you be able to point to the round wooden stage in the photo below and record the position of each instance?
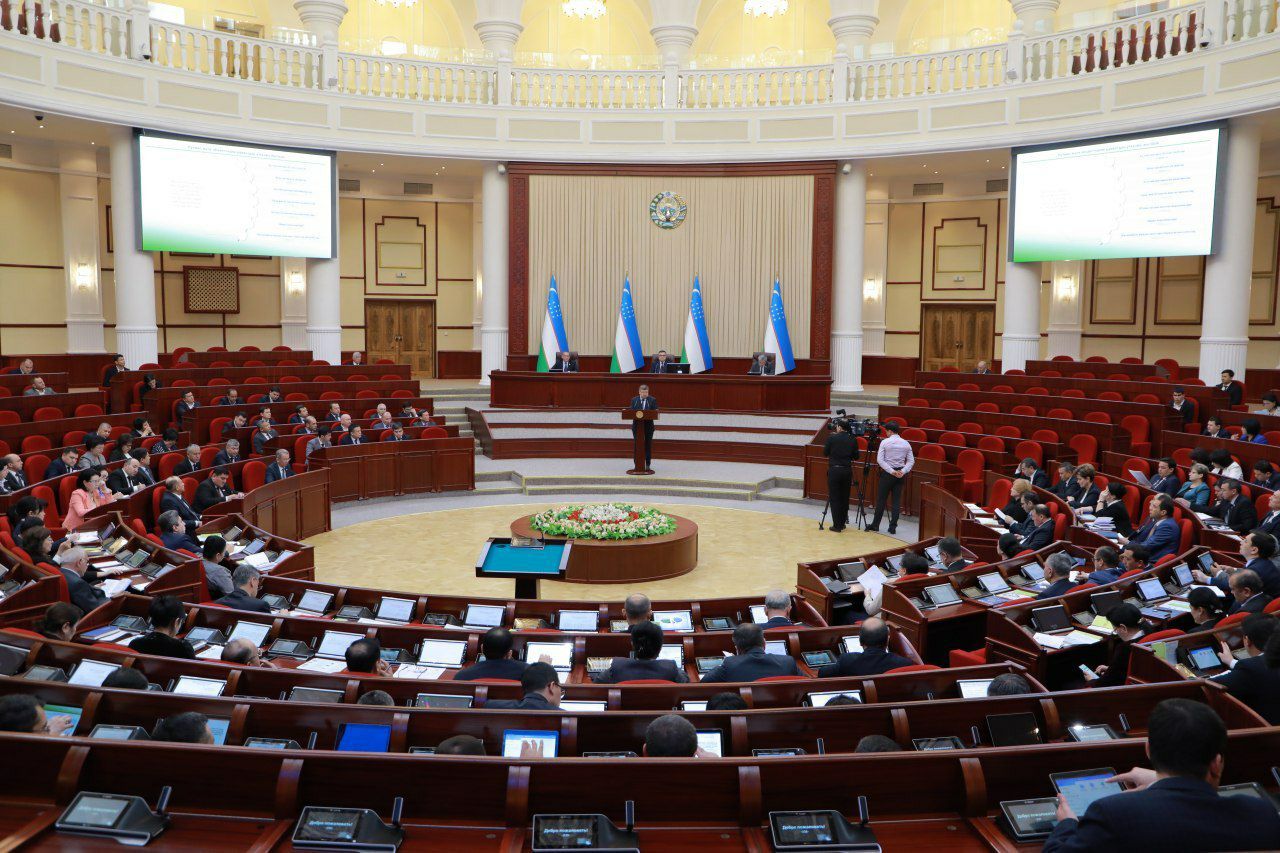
(627, 560)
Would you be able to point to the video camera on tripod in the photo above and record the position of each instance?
(853, 426)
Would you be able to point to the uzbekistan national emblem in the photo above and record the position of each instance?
(668, 210)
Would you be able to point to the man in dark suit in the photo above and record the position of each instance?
(952, 554)
(187, 404)
(116, 367)
(875, 657)
(173, 500)
(542, 690)
(1235, 391)
(982, 369)
(25, 368)
(1234, 508)
(777, 610)
(334, 414)
(281, 468)
(1213, 428)
(1270, 523)
(124, 480)
(246, 581)
(230, 454)
(498, 662)
(1265, 475)
(1067, 486)
(1028, 470)
(661, 362)
(1185, 409)
(566, 362)
(762, 366)
(238, 422)
(215, 489)
(64, 464)
(646, 642)
(191, 464)
(1246, 589)
(300, 415)
(144, 475)
(75, 562)
(1109, 564)
(397, 432)
(1042, 534)
(173, 533)
(642, 400)
(1057, 574)
(1166, 479)
(751, 663)
(354, 436)
(264, 434)
(1177, 805)
(357, 360)
(1160, 534)
(231, 398)
(1252, 680)
(11, 477)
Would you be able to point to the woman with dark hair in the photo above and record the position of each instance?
(1252, 432)
(1111, 505)
(87, 496)
(124, 446)
(1207, 608)
(27, 512)
(1224, 465)
(1194, 494)
(141, 429)
(1088, 495)
(59, 621)
(38, 543)
(149, 384)
(1126, 624)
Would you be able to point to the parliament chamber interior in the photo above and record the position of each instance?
(424, 424)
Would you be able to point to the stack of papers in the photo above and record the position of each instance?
(258, 560)
(322, 665)
(85, 537)
(114, 587)
(210, 653)
(1081, 638)
(1049, 641)
(418, 672)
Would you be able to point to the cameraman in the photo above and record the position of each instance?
(895, 460)
(841, 449)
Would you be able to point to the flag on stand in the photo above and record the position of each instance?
(554, 339)
(628, 355)
(777, 341)
(697, 346)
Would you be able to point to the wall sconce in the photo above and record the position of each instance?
(872, 289)
(84, 278)
(1066, 289)
(295, 283)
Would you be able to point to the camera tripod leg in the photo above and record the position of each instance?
(825, 508)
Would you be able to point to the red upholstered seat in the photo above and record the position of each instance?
(34, 443)
(960, 657)
(88, 410)
(35, 467)
(951, 404)
(950, 368)
(366, 394)
(253, 475)
(1118, 377)
(434, 432)
(1138, 428)
(10, 417)
(967, 386)
(1170, 365)
(999, 493)
(253, 362)
(1085, 446)
(932, 423)
(1037, 391)
(953, 438)
(1098, 417)
(357, 377)
(1166, 634)
(282, 348)
(1015, 372)
(1028, 449)
(290, 378)
(217, 349)
(1072, 393)
(934, 384)
(1111, 395)
(1146, 398)
(932, 451)
(991, 442)
(1029, 411)
(780, 678)
(318, 362)
(1273, 607)
(219, 381)
(294, 397)
(287, 362)
(323, 377)
(206, 456)
(255, 380)
(1135, 464)
(1130, 573)
(1080, 586)
(971, 463)
(385, 361)
(917, 402)
(44, 413)
(1002, 389)
(1233, 619)
(330, 395)
(970, 427)
(1060, 523)
(1083, 374)
(1055, 374)
(1062, 358)
(220, 363)
(1095, 359)
(250, 348)
(986, 407)
(1060, 414)
(215, 428)
(52, 517)
(402, 394)
(914, 434)
(1008, 431)
(1048, 436)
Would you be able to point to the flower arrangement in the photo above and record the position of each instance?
(603, 521)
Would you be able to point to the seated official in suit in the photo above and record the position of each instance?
(1207, 607)
(777, 610)
(1265, 475)
(566, 362)
(1067, 486)
(1177, 805)
(952, 554)
(354, 436)
(1246, 588)
(166, 615)
(542, 691)
(231, 398)
(1186, 409)
(661, 362)
(1160, 534)
(1270, 523)
(174, 500)
(1109, 564)
(1057, 574)
(1087, 497)
(299, 416)
(1041, 534)
(280, 469)
(125, 479)
(247, 582)
(646, 644)
(38, 389)
(173, 533)
(11, 477)
(216, 576)
(982, 369)
(1255, 680)
(1111, 505)
(334, 414)
(1029, 471)
(875, 657)
(116, 367)
(213, 490)
(230, 454)
(264, 434)
(397, 433)
(322, 439)
(1233, 508)
(1234, 389)
(191, 464)
(751, 663)
(63, 465)
(498, 662)
(1166, 479)
(75, 562)
(364, 657)
(186, 405)
(1213, 428)
(762, 366)
(144, 475)
(357, 359)
(26, 367)
(1126, 623)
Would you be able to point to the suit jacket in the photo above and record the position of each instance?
(649, 403)
(1240, 516)
(1270, 522)
(332, 418)
(260, 440)
(756, 371)
(559, 367)
(1197, 495)
(1222, 433)
(1056, 588)
(57, 468)
(347, 440)
(530, 702)
(1119, 513)
(629, 669)
(182, 409)
(1066, 489)
(1089, 498)
(227, 401)
(13, 480)
(241, 600)
(121, 483)
(869, 662)
(1166, 485)
(1266, 571)
(1159, 539)
(1187, 412)
(1256, 685)
(163, 645)
(186, 466)
(173, 541)
(218, 578)
(1180, 814)
(752, 666)
(777, 622)
(1039, 537)
(659, 366)
(83, 594)
(507, 668)
(170, 501)
(275, 472)
(144, 476)
(78, 507)
(1235, 392)
(1253, 605)
(109, 374)
(221, 458)
(1117, 667)
(208, 494)
(957, 565)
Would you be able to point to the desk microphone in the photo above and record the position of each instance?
(397, 807)
(162, 804)
(864, 813)
(822, 747)
(629, 811)
(1124, 723)
(311, 740)
(977, 737)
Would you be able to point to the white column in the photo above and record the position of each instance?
(1036, 16)
(324, 18)
(498, 25)
(293, 303)
(853, 23)
(846, 284)
(875, 265)
(477, 265)
(1228, 272)
(324, 309)
(493, 324)
(1021, 337)
(135, 272)
(78, 196)
(675, 26)
(1065, 330)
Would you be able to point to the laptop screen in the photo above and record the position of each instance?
(334, 644)
(514, 739)
(189, 685)
(91, 673)
(443, 652)
(579, 620)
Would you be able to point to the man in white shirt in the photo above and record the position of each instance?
(896, 461)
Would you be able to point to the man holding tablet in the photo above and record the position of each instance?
(1176, 805)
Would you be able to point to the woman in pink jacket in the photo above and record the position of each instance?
(90, 492)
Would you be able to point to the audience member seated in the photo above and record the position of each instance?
(761, 366)
(143, 476)
(1109, 564)
(1184, 407)
(357, 359)
(1009, 545)
(1255, 681)
(26, 367)
(174, 535)
(63, 465)
(1088, 495)
(245, 653)
(1207, 608)
(1126, 624)
(1031, 472)
(26, 512)
(126, 679)
(565, 363)
(1041, 534)
(672, 736)
(364, 657)
(125, 480)
(1233, 508)
(116, 367)
(1265, 475)
(168, 442)
(1194, 493)
(777, 610)
(124, 446)
(751, 663)
(1166, 479)
(875, 657)
(247, 582)
(174, 500)
(1057, 573)
(637, 608)
(542, 691)
(727, 701)
(461, 745)
(661, 362)
(1213, 428)
(952, 554)
(20, 712)
(166, 615)
(1258, 550)
(1111, 505)
(646, 642)
(1009, 684)
(1235, 391)
(380, 698)
(914, 564)
(279, 469)
(216, 575)
(59, 621)
(189, 465)
(353, 436)
(874, 743)
(1246, 589)
(1022, 528)
(37, 541)
(93, 457)
(231, 398)
(186, 405)
(230, 454)
(1270, 406)
(1176, 805)
(187, 727)
(11, 477)
(321, 440)
(1270, 523)
(498, 661)
(1066, 487)
(982, 369)
(1251, 431)
(1013, 510)
(75, 562)
(1223, 464)
(1160, 533)
(38, 389)
(264, 434)
(214, 489)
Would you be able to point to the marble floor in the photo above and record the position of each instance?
(422, 546)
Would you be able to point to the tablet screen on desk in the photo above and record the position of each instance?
(254, 632)
(973, 688)
(1019, 729)
(673, 652)
(941, 594)
(712, 741)
(993, 582)
(1204, 657)
(1149, 589)
(560, 654)
(189, 685)
(334, 644)
(396, 609)
(483, 615)
(1182, 575)
(1052, 618)
(448, 653)
(851, 645)
(578, 620)
(1033, 572)
(218, 728)
(97, 810)
(363, 737)
(565, 832)
(674, 620)
(514, 739)
(1083, 787)
(583, 705)
(1102, 602)
(819, 700)
(775, 647)
(91, 673)
(329, 825)
(442, 700)
(51, 711)
(803, 828)
(758, 615)
(315, 601)
(315, 694)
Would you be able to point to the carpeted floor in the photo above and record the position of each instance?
(741, 552)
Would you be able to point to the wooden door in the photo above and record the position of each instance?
(403, 331)
(956, 335)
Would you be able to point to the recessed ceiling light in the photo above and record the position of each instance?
(988, 161)
(41, 126)
(935, 171)
(382, 164)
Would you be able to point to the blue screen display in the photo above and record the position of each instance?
(363, 737)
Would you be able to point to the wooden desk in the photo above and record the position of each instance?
(237, 359)
(123, 390)
(1100, 369)
(294, 508)
(161, 403)
(83, 369)
(385, 468)
(700, 392)
(17, 384)
(64, 402)
(201, 420)
(724, 365)
(1108, 436)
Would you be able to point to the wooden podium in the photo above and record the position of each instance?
(642, 418)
